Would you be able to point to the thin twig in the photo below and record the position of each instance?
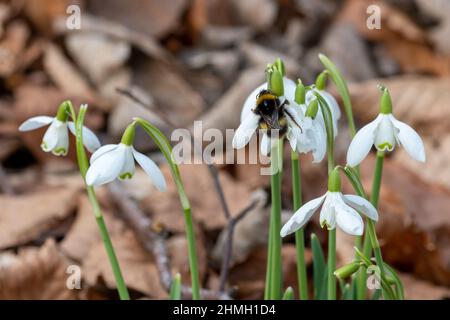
(152, 240)
(232, 222)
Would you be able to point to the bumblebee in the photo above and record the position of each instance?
(273, 112)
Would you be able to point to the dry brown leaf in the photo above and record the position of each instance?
(404, 40)
(24, 218)
(12, 46)
(65, 75)
(177, 247)
(138, 268)
(206, 208)
(152, 17)
(416, 289)
(84, 232)
(35, 273)
(414, 225)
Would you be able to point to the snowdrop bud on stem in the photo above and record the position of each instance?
(300, 92)
(385, 102)
(312, 110)
(321, 80)
(347, 270)
(276, 82)
(334, 181)
(279, 65)
(128, 135)
(63, 111)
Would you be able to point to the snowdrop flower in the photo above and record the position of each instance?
(384, 133)
(312, 135)
(117, 161)
(56, 138)
(331, 101)
(271, 111)
(337, 209)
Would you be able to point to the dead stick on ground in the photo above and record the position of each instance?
(152, 241)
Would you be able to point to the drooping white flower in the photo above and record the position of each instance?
(384, 133)
(337, 209)
(56, 138)
(312, 135)
(117, 161)
(332, 103)
(251, 118)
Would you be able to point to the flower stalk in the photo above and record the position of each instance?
(84, 165)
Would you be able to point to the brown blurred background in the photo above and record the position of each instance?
(187, 60)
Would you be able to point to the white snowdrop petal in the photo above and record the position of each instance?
(106, 167)
(35, 122)
(409, 139)
(327, 214)
(362, 205)
(245, 131)
(320, 142)
(90, 140)
(128, 167)
(151, 169)
(62, 145)
(102, 150)
(334, 106)
(250, 102)
(266, 145)
(289, 88)
(362, 143)
(349, 220)
(50, 139)
(302, 216)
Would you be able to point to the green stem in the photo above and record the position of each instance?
(267, 290)
(84, 165)
(370, 237)
(331, 264)
(299, 235)
(275, 221)
(163, 144)
(193, 265)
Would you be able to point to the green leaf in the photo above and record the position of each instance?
(342, 87)
(346, 290)
(376, 295)
(288, 294)
(319, 267)
(175, 288)
(400, 292)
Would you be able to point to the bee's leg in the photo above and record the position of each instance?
(293, 119)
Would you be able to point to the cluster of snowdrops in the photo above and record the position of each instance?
(283, 109)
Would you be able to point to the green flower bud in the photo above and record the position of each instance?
(276, 82)
(385, 101)
(300, 92)
(288, 294)
(312, 110)
(128, 135)
(321, 80)
(347, 270)
(334, 181)
(63, 111)
(279, 65)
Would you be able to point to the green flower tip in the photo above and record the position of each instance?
(385, 101)
(300, 92)
(279, 65)
(312, 110)
(276, 82)
(321, 80)
(288, 294)
(63, 111)
(128, 135)
(334, 181)
(347, 270)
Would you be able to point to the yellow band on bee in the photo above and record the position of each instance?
(265, 96)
